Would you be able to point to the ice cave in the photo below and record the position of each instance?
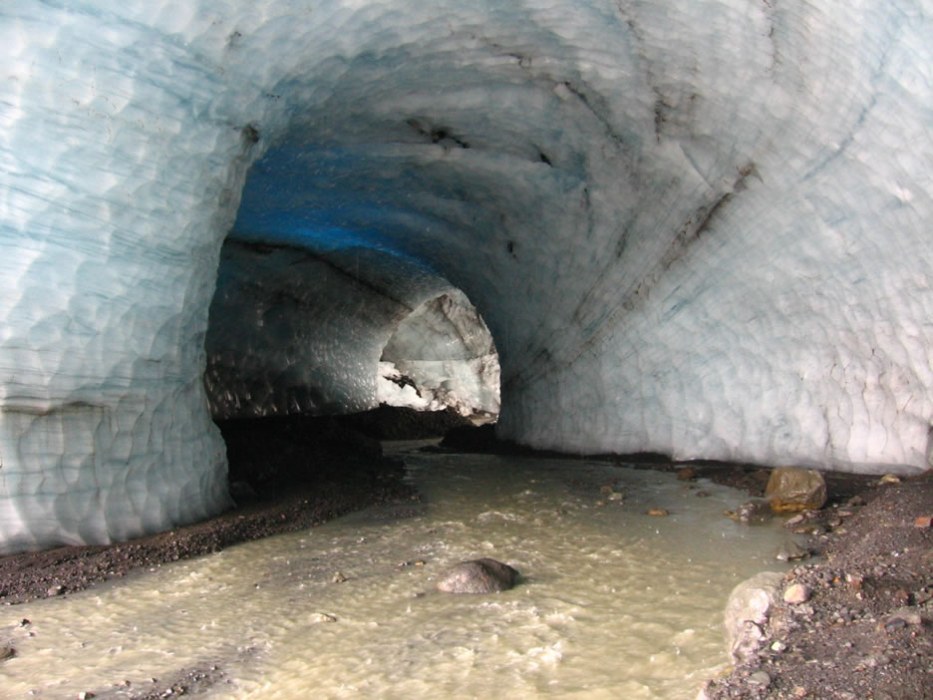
(693, 227)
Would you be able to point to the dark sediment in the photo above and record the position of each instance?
(400, 423)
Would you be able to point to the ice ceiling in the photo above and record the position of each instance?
(698, 227)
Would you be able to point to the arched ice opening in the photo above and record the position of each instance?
(296, 332)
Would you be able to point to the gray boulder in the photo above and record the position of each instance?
(747, 613)
(478, 576)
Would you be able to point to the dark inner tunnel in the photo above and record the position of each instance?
(324, 339)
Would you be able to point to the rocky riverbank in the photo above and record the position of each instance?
(856, 624)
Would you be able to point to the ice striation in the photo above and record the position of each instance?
(698, 227)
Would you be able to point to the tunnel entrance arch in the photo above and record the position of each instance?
(304, 341)
(294, 331)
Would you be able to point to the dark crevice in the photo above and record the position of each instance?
(600, 112)
(441, 135)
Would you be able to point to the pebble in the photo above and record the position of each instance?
(904, 616)
(760, 678)
(791, 551)
(753, 512)
(894, 623)
(321, 617)
(687, 474)
(407, 564)
(778, 646)
(658, 512)
(797, 593)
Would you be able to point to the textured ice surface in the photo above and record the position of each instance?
(293, 331)
(700, 227)
(441, 356)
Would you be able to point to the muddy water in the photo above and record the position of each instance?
(615, 603)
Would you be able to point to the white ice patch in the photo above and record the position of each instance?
(441, 356)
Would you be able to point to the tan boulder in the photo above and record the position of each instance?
(791, 489)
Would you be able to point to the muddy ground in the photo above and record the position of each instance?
(865, 631)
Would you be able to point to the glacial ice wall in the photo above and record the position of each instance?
(699, 227)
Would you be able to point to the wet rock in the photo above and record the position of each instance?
(760, 679)
(6, 652)
(797, 593)
(753, 512)
(791, 489)
(478, 576)
(747, 611)
(791, 551)
(318, 617)
(686, 474)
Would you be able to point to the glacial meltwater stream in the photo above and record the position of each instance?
(614, 603)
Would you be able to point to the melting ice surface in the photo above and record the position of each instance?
(615, 603)
(694, 227)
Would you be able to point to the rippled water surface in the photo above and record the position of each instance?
(614, 603)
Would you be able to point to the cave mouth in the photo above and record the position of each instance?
(321, 342)
(294, 331)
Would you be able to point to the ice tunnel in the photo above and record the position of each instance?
(697, 227)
